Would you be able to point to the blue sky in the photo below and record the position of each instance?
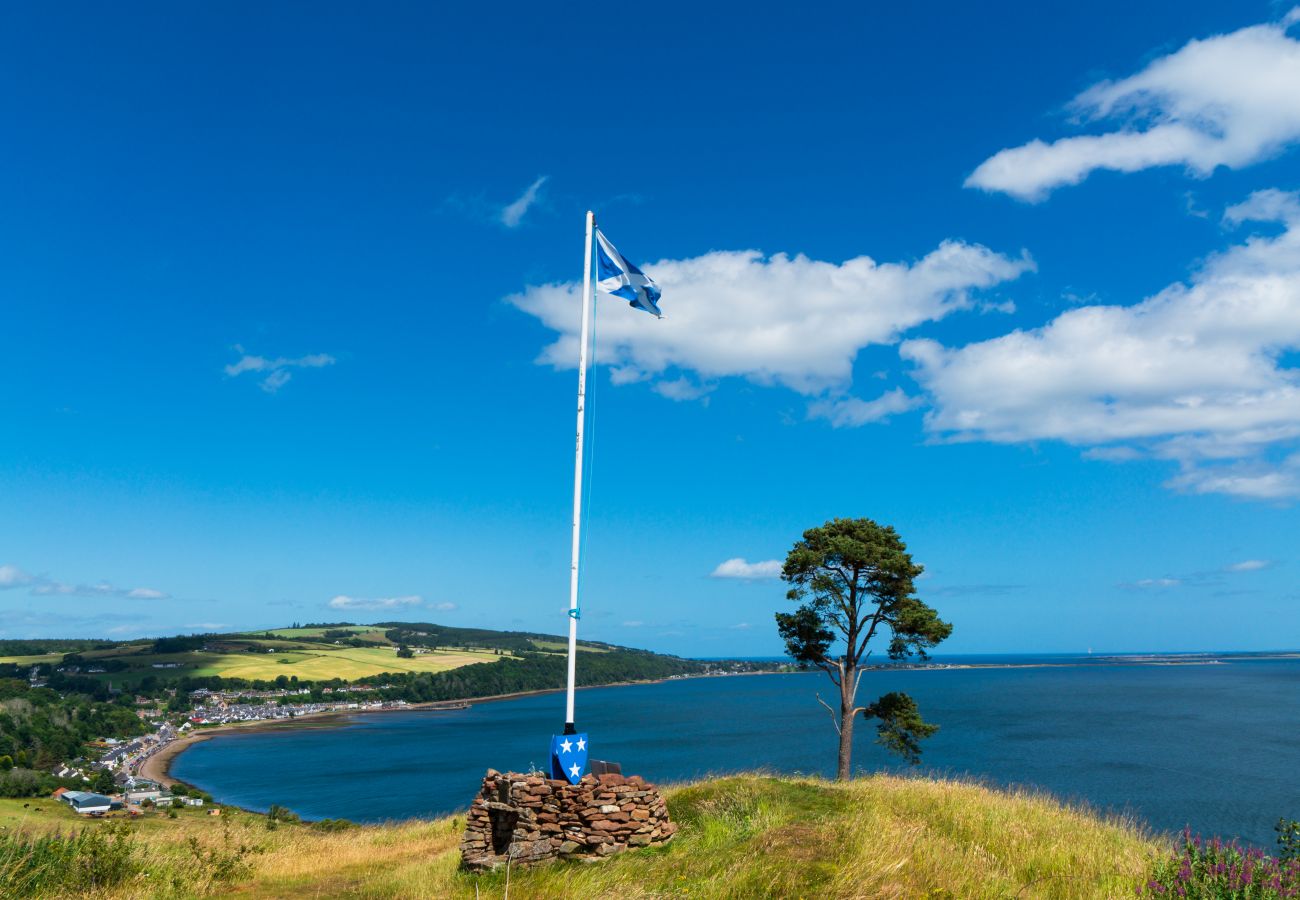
(287, 304)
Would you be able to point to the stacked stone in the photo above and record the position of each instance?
(529, 819)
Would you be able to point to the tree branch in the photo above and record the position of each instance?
(834, 720)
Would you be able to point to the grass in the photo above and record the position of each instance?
(746, 836)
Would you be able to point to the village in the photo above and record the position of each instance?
(121, 761)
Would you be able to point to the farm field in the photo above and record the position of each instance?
(341, 662)
(304, 653)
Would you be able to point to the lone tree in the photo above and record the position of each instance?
(854, 579)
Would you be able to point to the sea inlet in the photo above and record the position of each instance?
(1210, 743)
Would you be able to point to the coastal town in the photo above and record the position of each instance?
(124, 763)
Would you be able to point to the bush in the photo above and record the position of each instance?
(1215, 869)
(331, 825)
(1288, 839)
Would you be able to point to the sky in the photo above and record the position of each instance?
(289, 303)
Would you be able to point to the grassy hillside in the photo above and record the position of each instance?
(313, 653)
(747, 836)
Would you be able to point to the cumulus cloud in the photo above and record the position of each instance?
(737, 567)
(513, 213)
(1228, 100)
(342, 601)
(277, 371)
(13, 577)
(1196, 374)
(783, 320)
(446, 607)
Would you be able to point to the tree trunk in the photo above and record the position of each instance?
(845, 771)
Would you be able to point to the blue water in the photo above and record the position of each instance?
(1216, 747)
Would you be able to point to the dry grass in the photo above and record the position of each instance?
(742, 837)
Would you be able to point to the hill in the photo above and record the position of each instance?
(333, 652)
(309, 653)
(744, 836)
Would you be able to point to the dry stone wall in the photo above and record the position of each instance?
(530, 819)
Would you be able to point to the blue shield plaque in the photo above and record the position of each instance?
(569, 757)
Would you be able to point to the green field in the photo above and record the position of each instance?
(255, 657)
(304, 653)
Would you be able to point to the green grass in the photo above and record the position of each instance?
(748, 836)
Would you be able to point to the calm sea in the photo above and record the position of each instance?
(1214, 746)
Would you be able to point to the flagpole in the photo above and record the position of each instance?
(577, 475)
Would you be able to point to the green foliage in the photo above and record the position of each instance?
(807, 639)
(1288, 838)
(855, 573)
(332, 825)
(19, 782)
(179, 644)
(405, 652)
(57, 865)
(279, 813)
(854, 581)
(1214, 869)
(901, 728)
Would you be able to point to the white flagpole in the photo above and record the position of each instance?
(577, 474)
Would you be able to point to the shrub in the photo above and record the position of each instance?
(1288, 838)
(1212, 869)
(329, 825)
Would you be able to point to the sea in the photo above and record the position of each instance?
(1210, 742)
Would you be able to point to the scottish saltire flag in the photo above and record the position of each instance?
(569, 757)
(615, 275)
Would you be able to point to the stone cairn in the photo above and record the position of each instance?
(529, 819)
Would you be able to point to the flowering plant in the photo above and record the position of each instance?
(1203, 869)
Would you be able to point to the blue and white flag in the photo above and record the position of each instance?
(615, 275)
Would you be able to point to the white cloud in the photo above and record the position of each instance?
(1251, 565)
(208, 626)
(513, 213)
(13, 577)
(1153, 583)
(785, 320)
(739, 568)
(277, 370)
(41, 586)
(1229, 100)
(633, 624)
(446, 606)
(1194, 374)
(741, 626)
(54, 588)
(851, 412)
(342, 601)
